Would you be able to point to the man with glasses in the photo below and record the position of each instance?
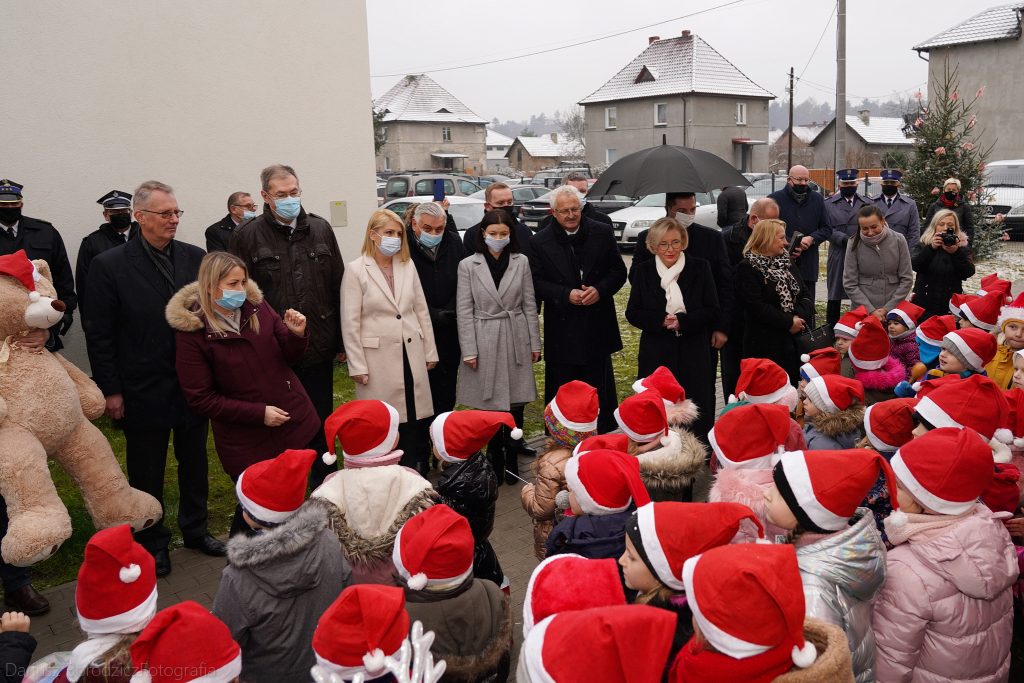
(40, 240)
(132, 352)
(117, 228)
(241, 208)
(577, 271)
(294, 257)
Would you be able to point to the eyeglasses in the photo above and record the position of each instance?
(674, 244)
(166, 215)
(283, 195)
(251, 206)
(567, 212)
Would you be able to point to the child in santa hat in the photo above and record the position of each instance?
(373, 496)
(570, 417)
(568, 583)
(956, 303)
(844, 333)
(604, 489)
(833, 413)
(966, 352)
(887, 425)
(901, 323)
(817, 495)
(763, 381)
(470, 618)
(950, 573)
(750, 623)
(660, 537)
(929, 337)
(1017, 381)
(670, 459)
(744, 442)
(279, 580)
(186, 643)
(873, 365)
(1010, 330)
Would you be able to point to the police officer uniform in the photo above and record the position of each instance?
(900, 211)
(841, 212)
(40, 240)
(118, 230)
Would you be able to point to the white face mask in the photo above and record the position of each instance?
(685, 219)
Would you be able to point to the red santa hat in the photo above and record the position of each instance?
(664, 382)
(185, 643)
(18, 266)
(847, 325)
(890, 424)
(833, 393)
(993, 284)
(367, 430)
(922, 389)
(272, 490)
(870, 349)
(946, 470)
(823, 489)
(116, 591)
(973, 346)
(1003, 493)
(367, 623)
(570, 582)
(958, 300)
(610, 442)
(975, 402)
(605, 482)
(908, 314)
(622, 644)
(984, 311)
(748, 599)
(642, 418)
(1015, 416)
(670, 533)
(749, 436)
(761, 381)
(575, 406)
(459, 434)
(818, 362)
(434, 548)
(935, 328)
(1012, 311)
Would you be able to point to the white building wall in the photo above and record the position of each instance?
(200, 95)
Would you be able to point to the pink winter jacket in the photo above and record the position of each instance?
(747, 487)
(945, 612)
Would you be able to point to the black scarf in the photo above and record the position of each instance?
(497, 266)
(573, 246)
(161, 260)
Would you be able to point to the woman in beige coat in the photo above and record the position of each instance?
(388, 336)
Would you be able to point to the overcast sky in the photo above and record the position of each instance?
(763, 38)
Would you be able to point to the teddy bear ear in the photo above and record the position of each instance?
(43, 269)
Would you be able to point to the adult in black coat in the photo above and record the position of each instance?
(732, 205)
(132, 352)
(499, 196)
(577, 271)
(772, 319)
(436, 253)
(952, 199)
(241, 208)
(677, 340)
(95, 243)
(941, 269)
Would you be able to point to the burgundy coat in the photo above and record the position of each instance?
(231, 379)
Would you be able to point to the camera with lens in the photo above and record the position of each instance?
(949, 238)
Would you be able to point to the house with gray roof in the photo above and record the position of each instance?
(530, 154)
(684, 91)
(988, 51)
(868, 140)
(497, 150)
(428, 128)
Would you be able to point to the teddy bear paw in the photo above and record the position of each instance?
(34, 536)
(135, 508)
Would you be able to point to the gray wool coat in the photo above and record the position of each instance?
(878, 276)
(499, 326)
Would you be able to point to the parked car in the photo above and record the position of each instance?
(610, 203)
(534, 211)
(553, 177)
(419, 184)
(467, 211)
(1004, 185)
(630, 222)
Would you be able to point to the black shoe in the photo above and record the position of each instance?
(163, 562)
(523, 449)
(28, 600)
(207, 545)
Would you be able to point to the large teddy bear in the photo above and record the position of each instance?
(45, 407)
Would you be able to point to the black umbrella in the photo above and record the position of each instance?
(667, 168)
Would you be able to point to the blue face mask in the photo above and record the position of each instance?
(248, 215)
(496, 245)
(389, 246)
(232, 299)
(430, 241)
(287, 208)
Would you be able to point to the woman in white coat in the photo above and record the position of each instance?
(498, 331)
(387, 332)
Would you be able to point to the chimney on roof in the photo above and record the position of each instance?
(653, 39)
(554, 137)
(685, 34)
(865, 116)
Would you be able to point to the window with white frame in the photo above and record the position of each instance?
(611, 117)
(610, 155)
(384, 134)
(741, 113)
(387, 163)
(661, 114)
(446, 133)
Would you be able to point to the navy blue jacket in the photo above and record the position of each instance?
(808, 218)
(593, 536)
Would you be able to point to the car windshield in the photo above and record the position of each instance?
(658, 199)
(466, 215)
(1006, 176)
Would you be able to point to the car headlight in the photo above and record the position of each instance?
(1016, 211)
(641, 224)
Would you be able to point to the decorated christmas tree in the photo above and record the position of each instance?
(948, 146)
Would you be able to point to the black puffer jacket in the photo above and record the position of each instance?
(939, 276)
(471, 489)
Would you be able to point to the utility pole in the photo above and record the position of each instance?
(789, 145)
(840, 149)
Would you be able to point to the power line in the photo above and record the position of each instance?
(818, 44)
(570, 45)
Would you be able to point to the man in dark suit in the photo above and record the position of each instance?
(132, 352)
(117, 228)
(577, 271)
(241, 208)
(499, 196)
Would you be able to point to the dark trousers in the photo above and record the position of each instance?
(812, 293)
(146, 451)
(597, 373)
(318, 381)
(444, 379)
(833, 311)
(730, 356)
(413, 434)
(13, 577)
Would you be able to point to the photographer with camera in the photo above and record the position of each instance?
(942, 264)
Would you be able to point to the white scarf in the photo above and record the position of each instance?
(670, 283)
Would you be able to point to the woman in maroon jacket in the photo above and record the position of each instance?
(233, 356)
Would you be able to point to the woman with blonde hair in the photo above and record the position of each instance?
(942, 263)
(774, 300)
(233, 357)
(387, 332)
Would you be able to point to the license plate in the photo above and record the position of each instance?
(531, 224)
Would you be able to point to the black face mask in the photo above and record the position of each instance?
(847, 192)
(950, 196)
(889, 190)
(9, 215)
(120, 221)
(799, 189)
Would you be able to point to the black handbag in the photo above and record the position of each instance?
(818, 338)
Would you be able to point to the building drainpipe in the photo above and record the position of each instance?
(685, 141)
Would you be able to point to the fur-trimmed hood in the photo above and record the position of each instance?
(682, 414)
(747, 487)
(884, 378)
(672, 468)
(833, 663)
(841, 422)
(183, 312)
